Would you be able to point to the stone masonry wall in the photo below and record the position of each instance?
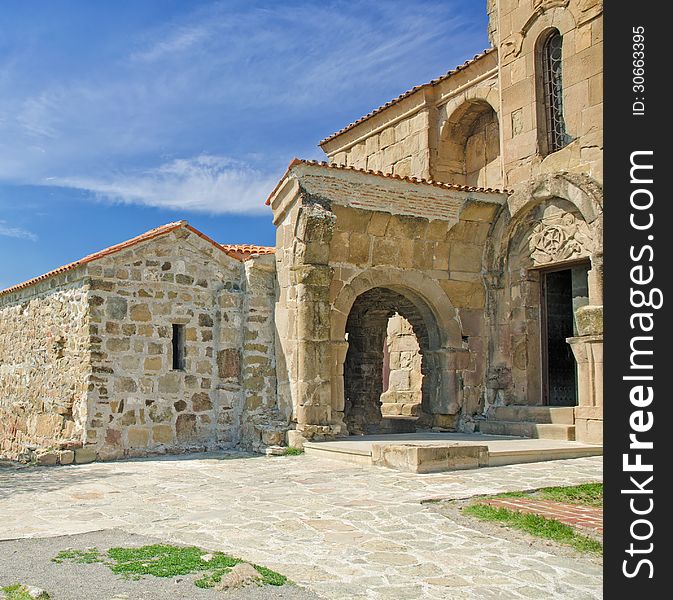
(404, 394)
(139, 403)
(520, 27)
(44, 369)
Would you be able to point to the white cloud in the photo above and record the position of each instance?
(175, 42)
(205, 183)
(16, 232)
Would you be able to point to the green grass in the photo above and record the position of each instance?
(18, 592)
(164, 560)
(536, 525)
(85, 557)
(292, 451)
(586, 494)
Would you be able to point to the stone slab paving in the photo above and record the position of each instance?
(588, 517)
(344, 531)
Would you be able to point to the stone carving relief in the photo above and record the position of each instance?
(546, 4)
(559, 237)
(514, 43)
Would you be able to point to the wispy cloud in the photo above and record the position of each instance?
(205, 183)
(211, 80)
(16, 232)
(176, 42)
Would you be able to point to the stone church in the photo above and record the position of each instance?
(441, 270)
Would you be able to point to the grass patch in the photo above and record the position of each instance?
(19, 592)
(164, 560)
(586, 494)
(292, 451)
(85, 557)
(536, 525)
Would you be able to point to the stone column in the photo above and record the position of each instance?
(339, 350)
(442, 378)
(588, 351)
(312, 394)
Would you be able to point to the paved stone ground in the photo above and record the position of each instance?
(343, 531)
(588, 517)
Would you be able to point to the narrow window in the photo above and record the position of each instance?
(178, 347)
(552, 92)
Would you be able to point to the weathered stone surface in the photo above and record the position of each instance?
(140, 312)
(201, 402)
(185, 427)
(429, 459)
(85, 455)
(229, 363)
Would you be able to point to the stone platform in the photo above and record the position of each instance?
(426, 452)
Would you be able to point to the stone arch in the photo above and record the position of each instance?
(361, 310)
(468, 151)
(554, 222)
(424, 291)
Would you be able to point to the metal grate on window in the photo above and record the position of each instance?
(557, 137)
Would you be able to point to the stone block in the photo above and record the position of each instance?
(295, 439)
(116, 308)
(185, 427)
(358, 248)
(140, 312)
(378, 224)
(399, 380)
(201, 401)
(162, 434)
(169, 383)
(589, 320)
(464, 294)
(118, 345)
(125, 384)
(153, 363)
(465, 257)
(66, 457)
(84, 455)
(46, 458)
(429, 459)
(138, 437)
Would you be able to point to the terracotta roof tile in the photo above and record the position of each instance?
(245, 251)
(326, 165)
(240, 252)
(432, 82)
(148, 235)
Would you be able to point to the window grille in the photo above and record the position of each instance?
(557, 137)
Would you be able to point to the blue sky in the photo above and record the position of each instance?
(117, 117)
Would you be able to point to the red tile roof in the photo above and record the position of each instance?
(435, 81)
(239, 252)
(326, 165)
(245, 251)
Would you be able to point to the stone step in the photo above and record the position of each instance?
(526, 429)
(393, 424)
(561, 415)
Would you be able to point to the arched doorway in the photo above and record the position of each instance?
(366, 333)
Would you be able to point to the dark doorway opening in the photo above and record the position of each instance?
(563, 292)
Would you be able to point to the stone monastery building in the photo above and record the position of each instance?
(442, 269)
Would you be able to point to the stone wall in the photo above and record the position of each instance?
(354, 249)
(406, 136)
(520, 28)
(44, 368)
(403, 395)
(139, 402)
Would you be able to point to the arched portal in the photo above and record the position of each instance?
(366, 330)
(469, 147)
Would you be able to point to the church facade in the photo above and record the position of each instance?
(442, 269)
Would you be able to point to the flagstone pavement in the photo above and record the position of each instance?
(344, 531)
